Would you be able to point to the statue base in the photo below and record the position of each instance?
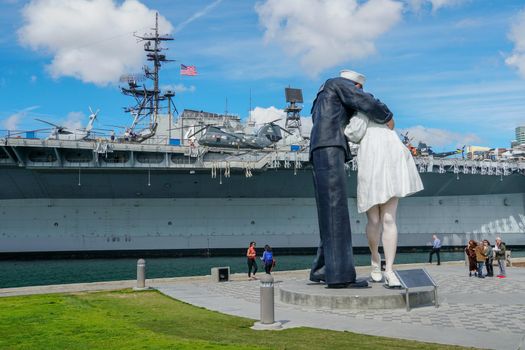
(317, 295)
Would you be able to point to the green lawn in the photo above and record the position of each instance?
(149, 320)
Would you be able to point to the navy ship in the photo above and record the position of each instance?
(206, 182)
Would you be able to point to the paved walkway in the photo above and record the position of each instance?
(482, 313)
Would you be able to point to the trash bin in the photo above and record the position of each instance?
(220, 274)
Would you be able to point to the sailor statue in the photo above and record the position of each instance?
(337, 101)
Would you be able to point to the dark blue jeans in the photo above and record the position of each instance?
(432, 252)
(334, 260)
(480, 268)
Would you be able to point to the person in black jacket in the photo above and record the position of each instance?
(337, 100)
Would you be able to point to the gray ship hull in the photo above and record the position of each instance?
(196, 212)
(219, 201)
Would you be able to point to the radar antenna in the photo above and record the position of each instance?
(293, 117)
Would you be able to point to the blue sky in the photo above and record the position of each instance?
(452, 71)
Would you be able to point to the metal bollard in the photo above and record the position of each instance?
(141, 275)
(267, 302)
(267, 306)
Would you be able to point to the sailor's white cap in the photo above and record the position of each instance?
(354, 76)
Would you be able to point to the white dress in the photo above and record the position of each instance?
(385, 168)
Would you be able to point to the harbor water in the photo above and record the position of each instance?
(20, 273)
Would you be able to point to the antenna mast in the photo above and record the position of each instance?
(147, 99)
(293, 117)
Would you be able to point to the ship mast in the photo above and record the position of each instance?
(147, 99)
(155, 57)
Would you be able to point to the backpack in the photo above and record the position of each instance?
(268, 257)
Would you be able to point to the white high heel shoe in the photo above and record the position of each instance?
(391, 280)
(376, 274)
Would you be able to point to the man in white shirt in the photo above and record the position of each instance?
(436, 247)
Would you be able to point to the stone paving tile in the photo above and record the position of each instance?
(497, 307)
(489, 317)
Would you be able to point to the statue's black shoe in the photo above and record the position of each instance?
(317, 276)
(358, 284)
(337, 285)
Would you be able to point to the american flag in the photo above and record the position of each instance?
(188, 70)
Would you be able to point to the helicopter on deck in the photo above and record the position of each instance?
(424, 150)
(217, 136)
(64, 133)
(60, 132)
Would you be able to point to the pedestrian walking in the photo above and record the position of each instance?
(267, 259)
(252, 264)
(436, 247)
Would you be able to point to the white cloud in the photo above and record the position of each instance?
(417, 5)
(325, 33)
(179, 88)
(89, 40)
(33, 79)
(74, 120)
(12, 122)
(262, 116)
(437, 4)
(440, 137)
(197, 15)
(517, 36)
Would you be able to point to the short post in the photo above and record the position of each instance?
(267, 302)
(141, 275)
(267, 305)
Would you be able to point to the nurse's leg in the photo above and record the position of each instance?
(373, 233)
(388, 212)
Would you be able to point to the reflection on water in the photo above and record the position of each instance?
(43, 272)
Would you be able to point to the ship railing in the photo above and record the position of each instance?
(22, 134)
(467, 166)
(176, 156)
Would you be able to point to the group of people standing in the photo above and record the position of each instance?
(267, 259)
(483, 254)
